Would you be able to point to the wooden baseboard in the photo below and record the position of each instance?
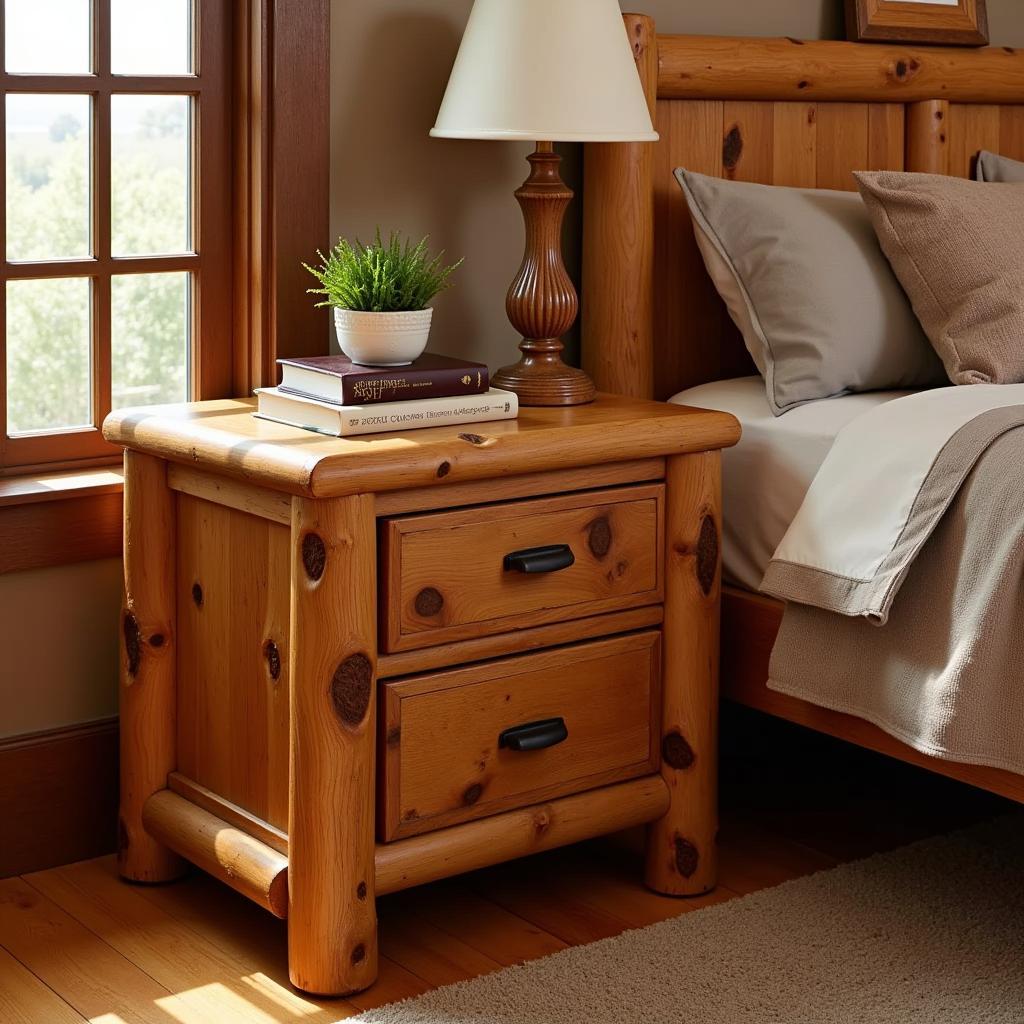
(58, 796)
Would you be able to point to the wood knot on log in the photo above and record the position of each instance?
(359, 954)
(350, 689)
(676, 752)
(904, 70)
(732, 148)
(599, 536)
(541, 824)
(472, 794)
(394, 736)
(429, 601)
(687, 856)
(361, 891)
(639, 41)
(473, 438)
(132, 643)
(444, 469)
(156, 640)
(197, 595)
(707, 554)
(314, 555)
(273, 656)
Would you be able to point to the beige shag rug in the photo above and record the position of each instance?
(930, 934)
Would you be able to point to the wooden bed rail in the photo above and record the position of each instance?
(261, 873)
(712, 67)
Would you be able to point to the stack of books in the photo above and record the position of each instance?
(332, 395)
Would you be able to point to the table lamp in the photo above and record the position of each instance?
(545, 71)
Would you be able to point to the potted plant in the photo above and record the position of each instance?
(381, 294)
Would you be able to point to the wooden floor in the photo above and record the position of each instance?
(76, 944)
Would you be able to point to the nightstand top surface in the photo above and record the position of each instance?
(224, 437)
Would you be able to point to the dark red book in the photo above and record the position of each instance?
(338, 380)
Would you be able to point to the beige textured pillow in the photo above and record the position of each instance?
(995, 168)
(957, 246)
(802, 275)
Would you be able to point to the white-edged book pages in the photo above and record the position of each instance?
(351, 420)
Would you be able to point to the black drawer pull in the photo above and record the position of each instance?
(534, 735)
(546, 559)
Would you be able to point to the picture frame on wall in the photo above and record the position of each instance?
(945, 22)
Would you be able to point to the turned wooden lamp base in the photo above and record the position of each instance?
(541, 378)
(542, 303)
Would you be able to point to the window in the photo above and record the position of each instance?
(115, 216)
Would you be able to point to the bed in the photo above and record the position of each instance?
(766, 476)
(784, 112)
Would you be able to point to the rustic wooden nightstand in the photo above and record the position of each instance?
(354, 665)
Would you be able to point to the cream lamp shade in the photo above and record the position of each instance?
(551, 70)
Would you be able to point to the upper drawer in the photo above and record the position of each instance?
(447, 575)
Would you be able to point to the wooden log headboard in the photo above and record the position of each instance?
(777, 111)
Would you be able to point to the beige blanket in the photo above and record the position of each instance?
(945, 670)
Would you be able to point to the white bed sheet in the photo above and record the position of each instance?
(765, 477)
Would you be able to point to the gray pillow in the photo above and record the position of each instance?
(998, 168)
(806, 282)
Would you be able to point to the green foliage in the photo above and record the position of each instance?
(65, 126)
(163, 122)
(380, 278)
(48, 321)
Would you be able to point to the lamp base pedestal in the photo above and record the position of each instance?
(541, 378)
(542, 303)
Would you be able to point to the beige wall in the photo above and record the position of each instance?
(59, 638)
(1006, 22)
(390, 61)
(807, 19)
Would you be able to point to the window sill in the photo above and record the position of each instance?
(57, 518)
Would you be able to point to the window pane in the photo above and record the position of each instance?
(151, 38)
(150, 175)
(48, 355)
(49, 37)
(149, 339)
(48, 157)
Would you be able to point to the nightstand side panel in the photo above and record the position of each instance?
(233, 669)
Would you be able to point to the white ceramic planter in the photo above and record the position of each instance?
(382, 339)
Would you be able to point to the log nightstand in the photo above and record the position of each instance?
(350, 666)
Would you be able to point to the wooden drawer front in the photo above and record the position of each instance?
(442, 762)
(445, 577)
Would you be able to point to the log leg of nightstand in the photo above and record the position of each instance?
(148, 671)
(332, 922)
(681, 853)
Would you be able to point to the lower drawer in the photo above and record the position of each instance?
(473, 741)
